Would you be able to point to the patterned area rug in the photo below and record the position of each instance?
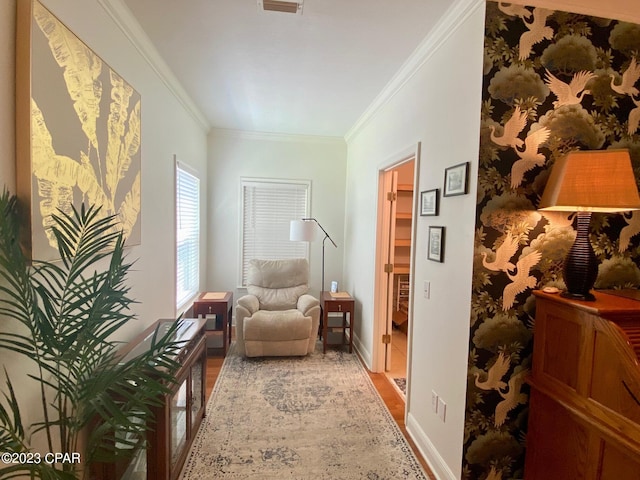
(315, 417)
(402, 384)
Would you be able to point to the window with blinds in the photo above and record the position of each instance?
(268, 206)
(187, 234)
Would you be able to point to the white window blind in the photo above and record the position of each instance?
(187, 234)
(268, 206)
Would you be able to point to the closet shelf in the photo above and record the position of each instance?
(400, 268)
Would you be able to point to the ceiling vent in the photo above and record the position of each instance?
(280, 6)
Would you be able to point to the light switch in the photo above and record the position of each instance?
(427, 289)
(442, 409)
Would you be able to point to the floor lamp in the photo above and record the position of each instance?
(304, 230)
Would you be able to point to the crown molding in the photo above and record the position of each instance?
(275, 137)
(446, 26)
(125, 20)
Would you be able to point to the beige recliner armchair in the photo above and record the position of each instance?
(277, 317)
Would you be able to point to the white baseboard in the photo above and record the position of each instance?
(363, 353)
(436, 463)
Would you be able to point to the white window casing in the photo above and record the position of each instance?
(187, 234)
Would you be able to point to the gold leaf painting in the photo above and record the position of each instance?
(78, 128)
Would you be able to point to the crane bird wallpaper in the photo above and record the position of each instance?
(78, 125)
(553, 82)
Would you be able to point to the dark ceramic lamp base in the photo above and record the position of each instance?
(588, 297)
(581, 264)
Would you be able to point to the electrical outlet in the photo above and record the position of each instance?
(427, 290)
(434, 401)
(442, 409)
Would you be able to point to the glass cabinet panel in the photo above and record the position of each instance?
(178, 412)
(137, 469)
(132, 441)
(196, 391)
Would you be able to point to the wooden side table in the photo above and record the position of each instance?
(220, 305)
(334, 326)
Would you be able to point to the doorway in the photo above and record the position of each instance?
(393, 287)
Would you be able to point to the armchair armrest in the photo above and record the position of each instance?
(250, 303)
(306, 302)
(246, 306)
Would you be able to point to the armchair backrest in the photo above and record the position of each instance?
(278, 283)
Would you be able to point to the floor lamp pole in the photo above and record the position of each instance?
(326, 235)
(323, 240)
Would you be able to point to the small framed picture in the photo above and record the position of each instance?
(456, 180)
(429, 202)
(435, 247)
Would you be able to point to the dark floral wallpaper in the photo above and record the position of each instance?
(553, 82)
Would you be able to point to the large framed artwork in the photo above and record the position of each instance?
(78, 132)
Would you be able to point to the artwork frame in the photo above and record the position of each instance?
(435, 244)
(429, 204)
(456, 180)
(78, 133)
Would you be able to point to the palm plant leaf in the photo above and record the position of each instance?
(11, 429)
(15, 281)
(12, 440)
(68, 313)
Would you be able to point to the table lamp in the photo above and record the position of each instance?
(304, 230)
(585, 182)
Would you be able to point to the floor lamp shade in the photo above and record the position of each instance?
(302, 231)
(586, 182)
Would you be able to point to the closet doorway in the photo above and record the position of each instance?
(395, 232)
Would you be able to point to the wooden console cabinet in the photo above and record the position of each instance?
(177, 420)
(584, 410)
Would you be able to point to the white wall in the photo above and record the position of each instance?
(439, 107)
(239, 154)
(167, 129)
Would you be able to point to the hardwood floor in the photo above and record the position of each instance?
(399, 344)
(391, 398)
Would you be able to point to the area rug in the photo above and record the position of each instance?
(314, 417)
(401, 382)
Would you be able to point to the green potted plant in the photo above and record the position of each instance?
(62, 316)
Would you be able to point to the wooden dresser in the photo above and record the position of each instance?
(584, 411)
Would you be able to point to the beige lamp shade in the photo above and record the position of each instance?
(592, 181)
(302, 231)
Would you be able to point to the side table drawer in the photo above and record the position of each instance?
(339, 306)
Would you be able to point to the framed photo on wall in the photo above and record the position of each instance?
(435, 246)
(429, 202)
(456, 180)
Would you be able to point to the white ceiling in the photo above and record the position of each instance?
(311, 74)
